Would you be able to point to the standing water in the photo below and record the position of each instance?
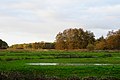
(67, 64)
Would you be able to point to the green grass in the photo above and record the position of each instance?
(62, 71)
(15, 61)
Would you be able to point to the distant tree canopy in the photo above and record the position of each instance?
(36, 45)
(3, 44)
(112, 41)
(74, 39)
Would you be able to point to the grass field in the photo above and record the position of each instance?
(13, 65)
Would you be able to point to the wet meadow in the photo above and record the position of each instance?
(59, 65)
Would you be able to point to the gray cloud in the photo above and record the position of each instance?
(36, 20)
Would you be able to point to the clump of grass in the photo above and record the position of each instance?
(48, 78)
(2, 54)
(28, 58)
(73, 78)
(106, 55)
(87, 56)
(90, 78)
(11, 59)
(0, 59)
(110, 78)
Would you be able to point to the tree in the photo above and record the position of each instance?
(101, 45)
(48, 46)
(60, 41)
(36, 45)
(74, 39)
(3, 44)
(88, 39)
(113, 41)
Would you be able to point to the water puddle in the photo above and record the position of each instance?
(66, 64)
(43, 64)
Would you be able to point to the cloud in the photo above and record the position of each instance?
(44, 19)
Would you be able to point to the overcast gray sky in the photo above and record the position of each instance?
(24, 21)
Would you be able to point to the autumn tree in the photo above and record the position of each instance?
(100, 43)
(113, 40)
(60, 41)
(74, 39)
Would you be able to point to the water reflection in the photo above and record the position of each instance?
(67, 64)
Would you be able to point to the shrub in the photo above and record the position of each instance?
(90, 47)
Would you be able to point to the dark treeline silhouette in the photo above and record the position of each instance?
(3, 44)
(75, 38)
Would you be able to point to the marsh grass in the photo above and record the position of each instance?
(13, 65)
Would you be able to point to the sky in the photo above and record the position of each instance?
(26, 21)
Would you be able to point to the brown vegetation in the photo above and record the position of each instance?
(74, 39)
(112, 41)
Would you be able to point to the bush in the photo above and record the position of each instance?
(90, 47)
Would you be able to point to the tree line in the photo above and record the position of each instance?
(36, 45)
(75, 38)
(111, 42)
(80, 39)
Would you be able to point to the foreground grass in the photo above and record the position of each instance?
(14, 63)
(61, 71)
